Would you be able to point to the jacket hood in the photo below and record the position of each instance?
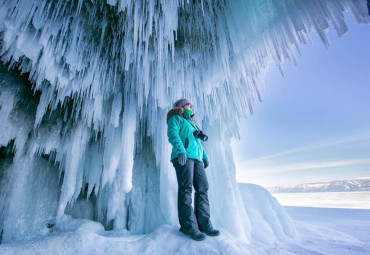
(178, 111)
(174, 111)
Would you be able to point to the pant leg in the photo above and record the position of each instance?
(187, 219)
(201, 203)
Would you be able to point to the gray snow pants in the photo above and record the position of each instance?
(192, 173)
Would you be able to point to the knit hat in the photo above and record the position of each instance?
(181, 102)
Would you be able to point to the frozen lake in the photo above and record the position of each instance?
(351, 222)
(355, 200)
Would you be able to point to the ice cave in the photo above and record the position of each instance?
(84, 91)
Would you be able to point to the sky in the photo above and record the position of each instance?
(314, 123)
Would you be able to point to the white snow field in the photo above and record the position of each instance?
(85, 87)
(347, 230)
(357, 200)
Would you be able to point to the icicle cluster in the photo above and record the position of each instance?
(105, 73)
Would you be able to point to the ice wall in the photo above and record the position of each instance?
(92, 140)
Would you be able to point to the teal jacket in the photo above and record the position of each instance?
(180, 135)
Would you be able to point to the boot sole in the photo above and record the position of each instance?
(192, 237)
(197, 239)
(212, 234)
(208, 234)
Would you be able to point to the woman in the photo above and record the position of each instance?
(189, 159)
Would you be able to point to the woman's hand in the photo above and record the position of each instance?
(182, 158)
(206, 162)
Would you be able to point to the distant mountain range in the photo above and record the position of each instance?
(360, 184)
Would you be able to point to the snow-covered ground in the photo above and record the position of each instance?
(347, 229)
(354, 222)
(318, 231)
(324, 215)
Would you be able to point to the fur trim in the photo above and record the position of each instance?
(174, 111)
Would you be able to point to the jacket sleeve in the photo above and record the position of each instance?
(173, 133)
(204, 154)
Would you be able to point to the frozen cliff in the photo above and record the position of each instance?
(85, 88)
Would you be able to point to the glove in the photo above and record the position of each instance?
(206, 162)
(182, 158)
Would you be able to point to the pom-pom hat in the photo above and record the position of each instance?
(181, 103)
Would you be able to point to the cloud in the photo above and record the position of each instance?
(306, 149)
(259, 168)
(351, 152)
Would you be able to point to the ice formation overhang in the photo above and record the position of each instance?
(106, 73)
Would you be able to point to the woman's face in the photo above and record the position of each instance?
(188, 106)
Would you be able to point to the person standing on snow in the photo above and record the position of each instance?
(189, 159)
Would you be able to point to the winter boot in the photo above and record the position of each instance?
(195, 235)
(211, 232)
